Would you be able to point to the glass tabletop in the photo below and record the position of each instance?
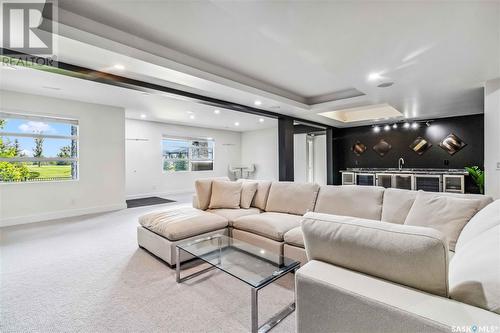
(249, 263)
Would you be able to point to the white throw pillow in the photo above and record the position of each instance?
(446, 214)
(225, 195)
(248, 190)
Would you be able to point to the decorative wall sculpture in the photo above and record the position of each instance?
(420, 145)
(358, 148)
(382, 147)
(452, 144)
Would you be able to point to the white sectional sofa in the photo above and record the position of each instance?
(272, 220)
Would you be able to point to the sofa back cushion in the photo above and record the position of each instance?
(260, 197)
(225, 195)
(203, 188)
(397, 203)
(444, 213)
(413, 256)
(292, 198)
(474, 272)
(248, 190)
(350, 200)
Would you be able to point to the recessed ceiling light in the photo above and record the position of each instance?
(374, 76)
(191, 116)
(216, 111)
(257, 102)
(387, 127)
(415, 125)
(119, 67)
(376, 129)
(261, 120)
(395, 126)
(236, 124)
(406, 125)
(143, 116)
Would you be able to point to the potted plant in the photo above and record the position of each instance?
(478, 176)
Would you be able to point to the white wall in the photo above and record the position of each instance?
(320, 159)
(300, 158)
(144, 170)
(492, 137)
(101, 170)
(260, 147)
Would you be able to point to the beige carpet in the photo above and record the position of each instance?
(88, 275)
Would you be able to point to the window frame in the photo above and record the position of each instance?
(189, 159)
(49, 119)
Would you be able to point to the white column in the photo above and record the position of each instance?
(492, 137)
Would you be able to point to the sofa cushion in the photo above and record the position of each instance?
(413, 256)
(248, 190)
(225, 195)
(182, 222)
(203, 189)
(350, 200)
(397, 203)
(292, 198)
(260, 198)
(485, 219)
(475, 267)
(295, 237)
(232, 214)
(446, 214)
(269, 224)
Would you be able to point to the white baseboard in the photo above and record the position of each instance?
(60, 214)
(158, 194)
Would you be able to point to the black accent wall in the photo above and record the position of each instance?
(468, 128)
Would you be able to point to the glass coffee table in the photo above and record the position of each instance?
(255, 266)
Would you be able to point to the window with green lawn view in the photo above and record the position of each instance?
(187, 154)
(37, 148)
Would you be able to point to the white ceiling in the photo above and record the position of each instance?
(156, 107)
(438, 53)
(296, 56)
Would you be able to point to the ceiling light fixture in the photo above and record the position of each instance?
(387, 127)
(406, 125)
(236, 124)
(210, 138)
(257, 103)
(415, 125)
(374, 76)
(395, 126)
(261, 120)
(191, 116)
(119, 67)
(216, 111)
(428, 123)
(143, 116)
(376, 129)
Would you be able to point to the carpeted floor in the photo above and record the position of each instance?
(87, 274)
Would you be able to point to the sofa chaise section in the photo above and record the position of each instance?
(160, 231)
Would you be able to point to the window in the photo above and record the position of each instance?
(36, 148)
(187, 154)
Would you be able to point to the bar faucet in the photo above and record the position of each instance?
(401, 163)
